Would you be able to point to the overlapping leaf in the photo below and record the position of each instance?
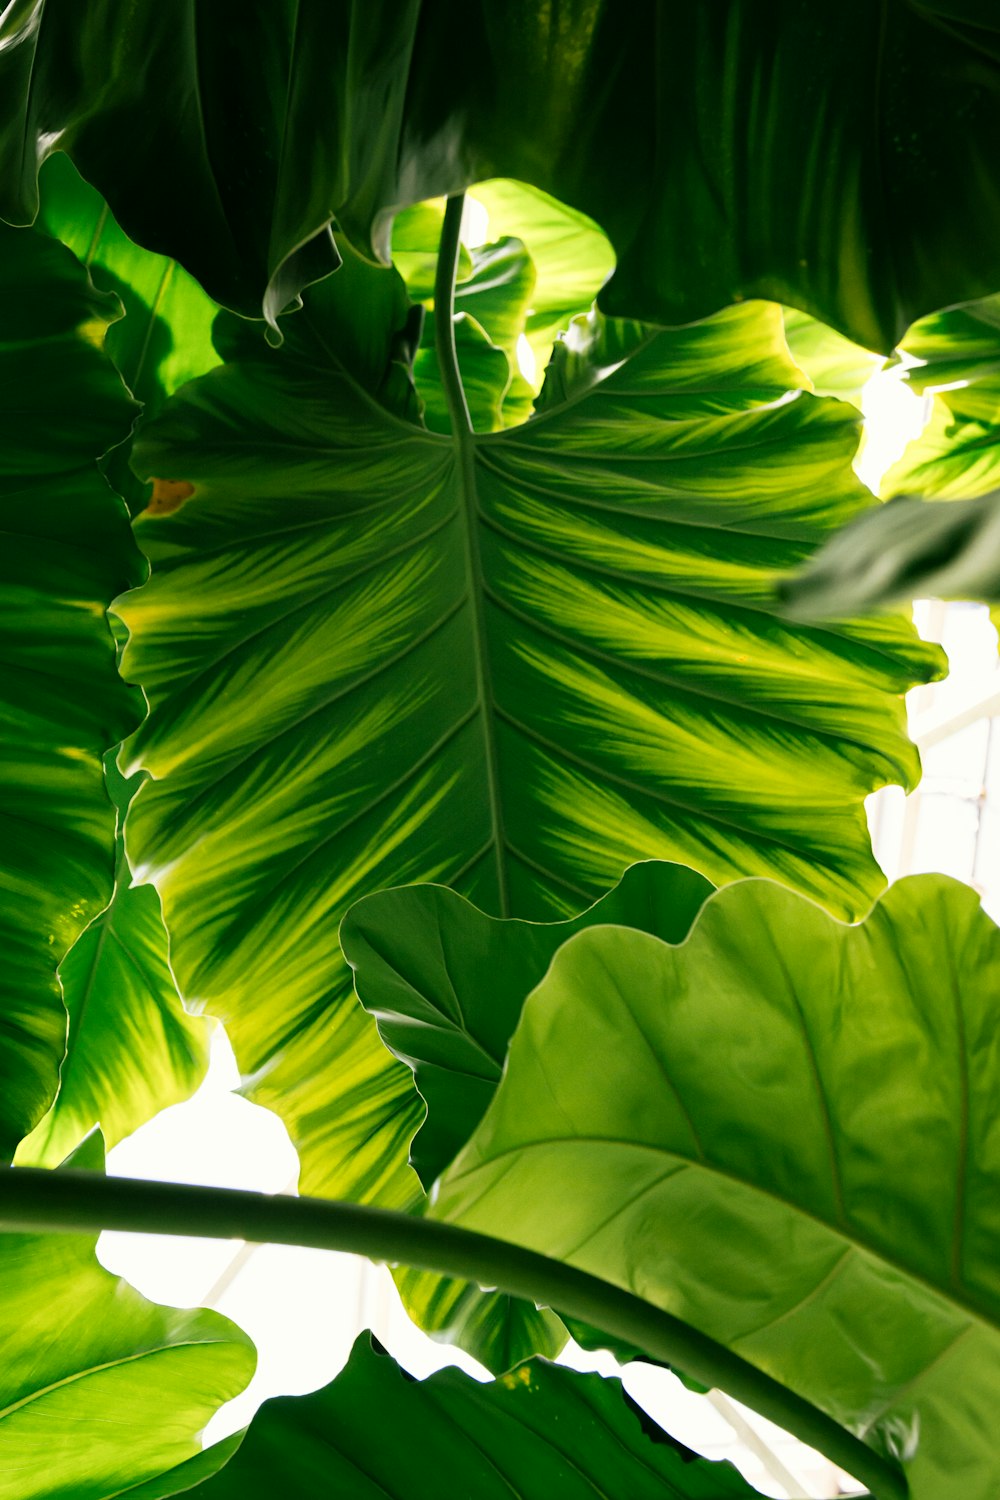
(914, 548)
(131, 1049)
(100, 1389)
(165, 336)
(781, 1131)
(571, 256)
(835, 365)
(501, 293)
(490, 313)
(446, 984)
(66, 553)
(748, 148)
(540, 1432)
(514, 663)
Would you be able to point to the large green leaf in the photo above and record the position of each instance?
(514, 663)
(100, 1389)
(781, 1131)
(66, 552)
(540, 1432)
(131, 1050)
(446, 984)
(746, 148)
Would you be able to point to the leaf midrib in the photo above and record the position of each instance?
(99, 1369)
(946, 1294)
(464, 446)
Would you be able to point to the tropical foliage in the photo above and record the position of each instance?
(443, 657)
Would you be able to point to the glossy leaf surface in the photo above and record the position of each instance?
(749, 148)
(775, 1199)
(446, 984)
(131, 1050)
(100, 1389)
(540, 1432)
(66, 553)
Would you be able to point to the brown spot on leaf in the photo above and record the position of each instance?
(168, 495)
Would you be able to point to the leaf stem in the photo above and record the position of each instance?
(73, 1201)
(464, 439)
(444, 316)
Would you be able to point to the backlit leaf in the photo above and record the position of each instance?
(66, 553)
(782, 1132)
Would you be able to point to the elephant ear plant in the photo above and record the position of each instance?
(396, 667)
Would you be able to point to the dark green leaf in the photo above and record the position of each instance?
(132, 1050)
(485, 376)
(781, 1131)
(540, 1432)
(66, 553)
(200, 129)
(165, 337)
(446, 984)
(747, 148)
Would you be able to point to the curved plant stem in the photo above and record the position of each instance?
(465, 453)
(32, 1199)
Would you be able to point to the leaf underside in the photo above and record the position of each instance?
(66, 553)
(774, 1200)
(513, 664)
(718, 145)
(100, 1389)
